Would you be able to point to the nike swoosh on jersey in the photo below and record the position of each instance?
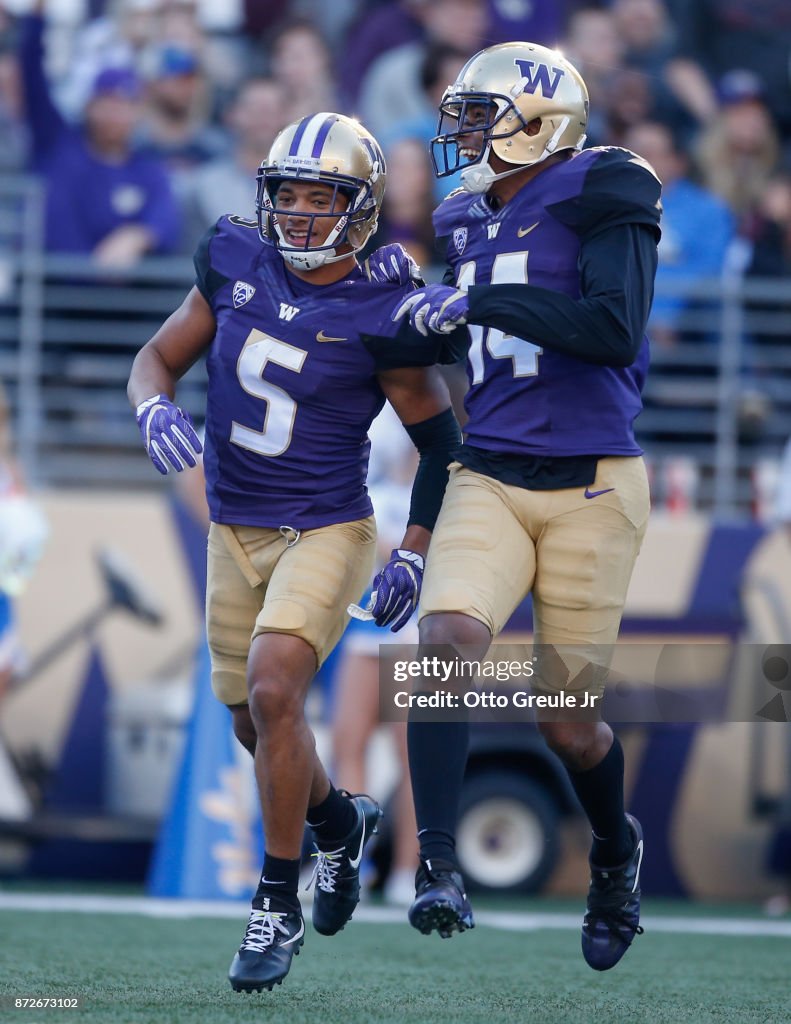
(355, 863)
(595, 494)
(321, 336)
(521, 232)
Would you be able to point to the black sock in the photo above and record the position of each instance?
(279, 879)
(436, 844)
(600, 791)
(333, 818)
(437, 759)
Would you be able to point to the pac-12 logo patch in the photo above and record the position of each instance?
(242, 293)
(460, 239)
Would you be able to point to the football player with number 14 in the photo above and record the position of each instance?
(301, 355)
(552, 257)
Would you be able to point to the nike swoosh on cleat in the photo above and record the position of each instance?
(294, 938)
(639, 865)
(268, 881)
(595, 494)
(521, 232)
(355, 863)
(321, 336)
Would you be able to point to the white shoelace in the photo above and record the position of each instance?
(326, 868)
(261, 929)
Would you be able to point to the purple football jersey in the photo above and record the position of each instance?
(292, 388)
(522, 399)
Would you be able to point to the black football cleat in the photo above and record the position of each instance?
(613, 916)
(337, 870)
(441, 903)
(272, 938)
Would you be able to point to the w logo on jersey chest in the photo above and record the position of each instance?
(287, 312)
(491, 230)
(242, 293)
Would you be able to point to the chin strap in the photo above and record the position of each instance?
(307, 259)
(480, 177)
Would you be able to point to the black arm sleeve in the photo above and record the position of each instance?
(436, 439)
(407, 348)
(606, 325)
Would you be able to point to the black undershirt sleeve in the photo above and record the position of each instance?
(606, 325)
(437, 440)
(408, 348)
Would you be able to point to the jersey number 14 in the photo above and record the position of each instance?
(508, 268)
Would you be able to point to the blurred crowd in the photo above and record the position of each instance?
(147, 119)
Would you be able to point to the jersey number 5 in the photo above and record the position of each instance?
(281, 409)
(508, 268)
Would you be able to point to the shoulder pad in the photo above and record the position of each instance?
(451, 211)
(613, 186)
(240, 222)
(235, 243)
(225, 252)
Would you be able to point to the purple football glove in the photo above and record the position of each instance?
(437, 307)
(392, 263)
(168, 434)
(397, 589)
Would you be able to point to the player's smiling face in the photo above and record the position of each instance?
(476, 118)
(305, 212)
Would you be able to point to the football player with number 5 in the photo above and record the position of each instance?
(301, 355)
(552, 257)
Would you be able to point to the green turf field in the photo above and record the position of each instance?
(151, 971)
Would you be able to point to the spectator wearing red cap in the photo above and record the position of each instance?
(102, 198)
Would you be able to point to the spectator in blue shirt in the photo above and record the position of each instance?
(697, 227)
(102, 198)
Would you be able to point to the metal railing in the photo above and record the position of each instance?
(718, 401)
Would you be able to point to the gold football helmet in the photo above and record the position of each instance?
(497, 94)
(337, 151)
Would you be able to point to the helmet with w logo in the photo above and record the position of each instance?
(497, 94)
(336, 151)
